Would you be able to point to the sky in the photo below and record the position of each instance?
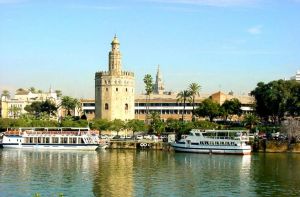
(223, 45)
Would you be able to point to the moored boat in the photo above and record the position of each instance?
(214, 141)
(50, 138)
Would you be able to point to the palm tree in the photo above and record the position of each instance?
(69, 104)
(149, 89)
(32, 89)
(251, 120)
(14, 111)
(58, 93)
(194, 89)
(182, 97)
(5, 93)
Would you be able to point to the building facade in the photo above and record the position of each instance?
(166, 105)
(114, 89)
(14, 107)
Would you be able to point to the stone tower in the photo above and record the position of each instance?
(114, 89)
(159, 87)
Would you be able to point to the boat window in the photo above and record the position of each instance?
(65, 140)
(195, 143)
(74, 140)
(197, 134)
(206, 142)
(216, 143)
(55, 140)
(47, 140)
(191, 134)
(232, 143)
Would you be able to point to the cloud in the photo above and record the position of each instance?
(255, 30)
(215, 3)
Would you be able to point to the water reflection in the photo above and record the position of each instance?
(25, 172)
(146, 173)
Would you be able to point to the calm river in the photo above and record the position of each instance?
(146, 173)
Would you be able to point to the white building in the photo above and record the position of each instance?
(297, 76)
(14, 107)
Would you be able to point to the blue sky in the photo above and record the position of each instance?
(220, 44)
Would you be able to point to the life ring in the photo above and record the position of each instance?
(143, 145)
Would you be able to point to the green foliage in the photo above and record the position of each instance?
(277, 98)
(5, 93)
(250, 120)
(136, 125)
(231, 107)
(156, 124)
(194, 90)
(148, 84)
(117, 125)
(25, 121)
(70, 104)
(208, 108)
(41, 109)
(182, 97)
(100, 124)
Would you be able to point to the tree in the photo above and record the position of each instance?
(276, 99)
(117, 125)
(251, 120)
(32, 89)
(69, 104)
(58, 93)
(182, 97)
(48, 107)
(194, 89)
(231, 107)
(208, 108)
(15, 111)
(6, 94)
(41, 109)
(149, 89)
(291, 127)
(156, 125)
(136, 125)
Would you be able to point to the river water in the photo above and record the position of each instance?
(146, 173)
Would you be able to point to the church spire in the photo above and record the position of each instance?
(159, 85)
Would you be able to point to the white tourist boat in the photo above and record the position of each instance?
(214, 141)
(51, 138)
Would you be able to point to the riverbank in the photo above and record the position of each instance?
(144, 144)
(271, 146)
(275, 146)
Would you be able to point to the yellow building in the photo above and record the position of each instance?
(114, 89)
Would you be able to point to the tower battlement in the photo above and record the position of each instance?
(114, 89)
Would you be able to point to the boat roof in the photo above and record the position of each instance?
(219, 131)
(49, 128)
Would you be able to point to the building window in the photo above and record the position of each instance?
(126, 106)
(106, 106)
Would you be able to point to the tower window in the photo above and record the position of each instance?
(117, 89)
(106, 106)
(106, 89)
(126, 89)
(126, 106)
